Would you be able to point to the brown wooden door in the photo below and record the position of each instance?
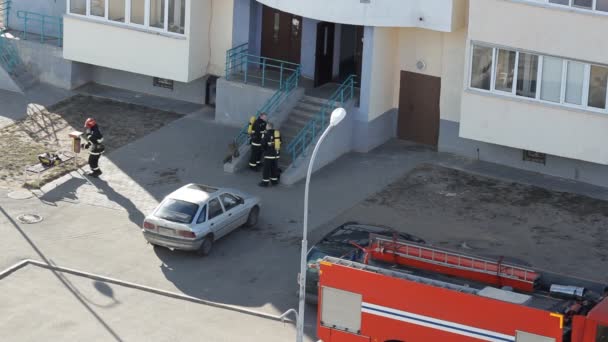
(419, 108)
(324, 57)
(281, 35)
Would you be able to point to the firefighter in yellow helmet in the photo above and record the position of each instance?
(271, 143)
(256, 129)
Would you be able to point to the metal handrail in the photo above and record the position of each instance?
(316, 125)
(5, 9)
(9, 57)
(44, 21)
(272, 103)
(239, 59)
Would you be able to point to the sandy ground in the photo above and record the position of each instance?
(561, 232)
(47, 129)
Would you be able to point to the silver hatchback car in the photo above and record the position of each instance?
(195, 216)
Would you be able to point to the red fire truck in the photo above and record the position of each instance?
(406, 292)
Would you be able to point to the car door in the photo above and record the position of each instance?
(237, 208)
(216, 218)
(234, 210)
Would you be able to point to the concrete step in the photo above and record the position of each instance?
(312, 99)
(308, 107)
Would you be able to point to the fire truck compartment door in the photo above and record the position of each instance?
(523, 336)
(341, 309)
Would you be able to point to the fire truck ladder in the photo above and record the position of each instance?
(400, 274)
(490, 271)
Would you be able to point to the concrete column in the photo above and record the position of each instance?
(241, 22)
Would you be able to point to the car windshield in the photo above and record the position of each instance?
(177, 211)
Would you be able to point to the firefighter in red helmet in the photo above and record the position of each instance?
(94, 142)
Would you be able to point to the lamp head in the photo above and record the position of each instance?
(336, 116)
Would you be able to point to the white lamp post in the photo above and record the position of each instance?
(336, 117)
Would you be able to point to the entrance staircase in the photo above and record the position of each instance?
(305, 110)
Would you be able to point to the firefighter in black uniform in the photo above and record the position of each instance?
(94, 142)
(258, 128)
(271, 143)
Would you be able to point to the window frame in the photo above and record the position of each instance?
(537, 99)
(127, 22)
(571, 6)
(236, 198)
(202, 215)
(209, 218)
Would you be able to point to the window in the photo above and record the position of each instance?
(598, 80)
(527, 73)
(551, 85)
(602, 333)
(505, 68)
(157, 13)
(574, 82)
(177, 15)
(597, 5)
(481, 68)
(98, 8)
(229, 201)
(138, 10)
(78, 7)
(276, 26)
(601, 5)
(583, 3)
(215, 208)
(202, 216)
(177, 211)
(117, 10)
(540, 78)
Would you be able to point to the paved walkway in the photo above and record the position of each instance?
(14, 106)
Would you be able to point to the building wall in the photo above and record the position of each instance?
(580, 35)
(383, 71)
(220, 34)
(308, 47)
(442, 15)
(191, 92)
(200, 51)
(126, 49)
(524, 124)
(241, 22)
(53, 8)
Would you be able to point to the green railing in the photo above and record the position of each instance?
(5, 11)
(272, 103)
(9, 57)
(240, 61)
(316, 125)
(48, 26)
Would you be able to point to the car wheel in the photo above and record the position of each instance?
(206, 246)
(252, 219)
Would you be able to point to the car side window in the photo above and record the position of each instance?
(215, 208)
(203, 215)
(229, 201)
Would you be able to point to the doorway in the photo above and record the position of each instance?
(324, 59)
(419, 108)
(281, 35)
(351, 52)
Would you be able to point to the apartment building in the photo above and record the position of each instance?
(521, 83)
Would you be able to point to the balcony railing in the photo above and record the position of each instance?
(316, 125)
(47, 26)
(252, 67)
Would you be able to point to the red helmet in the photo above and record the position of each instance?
(90, 123)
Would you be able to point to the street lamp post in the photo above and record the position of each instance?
(336, 116)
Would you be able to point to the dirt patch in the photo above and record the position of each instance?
(47, 129)
(563, 232)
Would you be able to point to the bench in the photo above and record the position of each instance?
(38, 169)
